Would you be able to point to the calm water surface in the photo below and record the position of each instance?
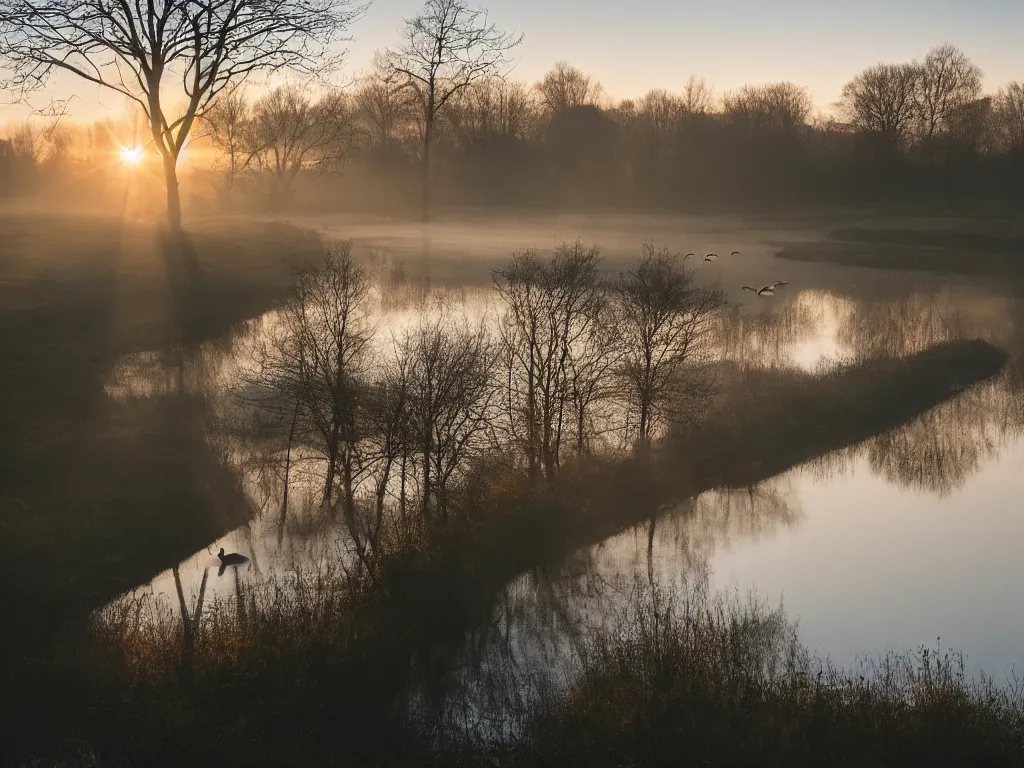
(912, 536)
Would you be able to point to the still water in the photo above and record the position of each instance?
(911, 536)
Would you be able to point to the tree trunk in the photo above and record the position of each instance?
(287, 471)
(348, 504)
(426, 483)
(332, 465)
(427, 141)
(173, 193)
(644, 427)
(401, 492)
(580, 426)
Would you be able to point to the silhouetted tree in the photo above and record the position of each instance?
(231, 132)
(493, 108)
(385, 106)
(947, 82)
(451, 396)
(292, 133)
(779, 108)
(390, 413)
(1008, 117)
(159, 54)
(698, 97)
(882, 101)
(565, 88)
(329, 329)
(444, 50)
(549, 314)
(664, 321)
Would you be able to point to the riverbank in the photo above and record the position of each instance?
(96, 495)
(993, 250)
(284, 675)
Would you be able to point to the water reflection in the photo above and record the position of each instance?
(778, 536)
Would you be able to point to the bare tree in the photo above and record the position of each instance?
(550, 310)
(661, 111)
(1008, 117)
(969, 125)
(698, 96)
(444, 50)
(292, 133)
(451, 395)
(664, 321)
(882, 100)
(948, 81)
(329, 332)
(779, 108)
(591, 367)
(230, 132)
(384, 105)
(159, 53)
(391, 429)
(566, 87)
(493, 108)
(28, 142)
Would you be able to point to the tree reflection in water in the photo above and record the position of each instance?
(532, 634)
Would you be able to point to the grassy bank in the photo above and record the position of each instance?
(982, 250)
(698, 679)
(295, 672)
(95, 495)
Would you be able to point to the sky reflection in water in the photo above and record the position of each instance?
(910, 536)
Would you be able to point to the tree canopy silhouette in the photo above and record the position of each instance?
(444, 50)
(166, 51)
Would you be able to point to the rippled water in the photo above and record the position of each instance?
(911, 536)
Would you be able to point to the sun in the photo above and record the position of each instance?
(131, 155)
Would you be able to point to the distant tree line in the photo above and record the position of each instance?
(920, 132)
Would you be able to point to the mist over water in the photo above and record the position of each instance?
(888, 545)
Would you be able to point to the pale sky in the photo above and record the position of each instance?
(633, 46)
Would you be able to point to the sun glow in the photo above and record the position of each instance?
(131, 155)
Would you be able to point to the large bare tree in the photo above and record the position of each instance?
(948, 82)
(164, 52)
(444, 50)
(882, 100)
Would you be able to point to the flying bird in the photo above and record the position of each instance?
(735, 253)
(767, 290)
(689, 255)
(710, 256)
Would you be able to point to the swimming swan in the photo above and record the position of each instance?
(233, 559)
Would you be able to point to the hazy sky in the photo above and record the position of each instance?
(636, 45)
(640, 44)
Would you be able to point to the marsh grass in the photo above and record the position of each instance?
(702, 679)
(320, 660)
(681, 675)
